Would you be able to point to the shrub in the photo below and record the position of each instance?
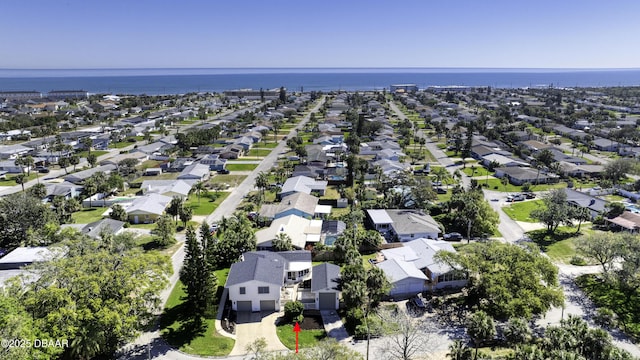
(578, 261)
(605, 317)
(293, 311)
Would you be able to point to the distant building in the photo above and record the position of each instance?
(20, 95)
(68, 94)
(403, 88)
(253, 94)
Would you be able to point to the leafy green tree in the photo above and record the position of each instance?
(92, 159)
(617, 170)
(293, 311)
(556, 210)
(507, 280)
(90, 187)
(74, 160)
(282, 242)
(118, 213)
(64, 162)
(471, 212)
(235, 237)
(480, 327)
(95, 298)
(38, 191)
(602, 247)
(517, 331)
(164, 231)
(21, 214)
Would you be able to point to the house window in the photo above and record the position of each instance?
(243, 290)
(291, 275)
(303, 273)
(263, 289)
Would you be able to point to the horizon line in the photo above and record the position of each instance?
(332, 67)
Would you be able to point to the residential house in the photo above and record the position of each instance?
(147, 209)
(325, 286)
(12, 263)
(138, 156)
(521, 175)
(480, 151)
(214, 161)
(98, 228)
(308, 171)
(303, 184)
(170, 188)
(195, 171)
(603, 144)
(303, 232)
(10, 167)
(574, 170)
(390, 167)
(13, 151)
(403, 224)
(81, 176)
(232, 151)
(389, 154)
(627, 221)
(412, 268)
(501, 160)
(300, 204)
(65, 189)
(559, 156)
(534, 145)
(579, 199)
(244, 141)
(256, 283)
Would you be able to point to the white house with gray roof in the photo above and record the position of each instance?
(302, 231)
(412, 269)
(325, 286)
(303, 184)
(147, 209)
(257, 282)
(403, 224)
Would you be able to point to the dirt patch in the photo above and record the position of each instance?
(313, 322)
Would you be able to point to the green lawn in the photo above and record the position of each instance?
(83, 154)
(365, 260)
(495, 184)
(241, 167)
(306, 338)
(88, 215)
(268, 145)
(11, 179)
(520, 211)
(444, 197)
(559, 246)
(331, 193)
(478, 171)
(184, 334)
(163, 176)
(258, 153)
(120, 145)
(231, 180)
(625, 303)
(207, 203)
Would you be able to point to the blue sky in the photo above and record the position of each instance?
(327, 33)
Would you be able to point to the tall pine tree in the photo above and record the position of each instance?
(197, 275)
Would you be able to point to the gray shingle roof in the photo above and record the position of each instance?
(259, 266)
(325, 276)
(109, 225)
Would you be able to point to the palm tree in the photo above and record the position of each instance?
(90, 188)
(198, 188)
(480, 327)
(29, 163)
(262, 182)
(20, 179)
(459, 351)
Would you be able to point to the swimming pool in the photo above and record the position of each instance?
(633, 208)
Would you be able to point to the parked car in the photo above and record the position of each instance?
(529, 195)
(452, 236)
(417, 302)
(223, 171)
(440, 190)
(42, 169)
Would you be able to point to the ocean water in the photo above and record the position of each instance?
(178, 81)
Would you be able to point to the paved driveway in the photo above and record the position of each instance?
(251, 326)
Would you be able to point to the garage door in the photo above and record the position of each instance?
(267, 305)
(244, 305)
(327, 301)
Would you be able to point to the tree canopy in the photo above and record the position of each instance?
(507, 280)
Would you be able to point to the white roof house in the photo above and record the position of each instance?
(22, 256)
(195, 171)
(300, 230)
(303, 184)
(403, 224)
(167, 187)
(403, 264)
(149, 204)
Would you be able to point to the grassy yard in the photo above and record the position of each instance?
(477, 171)
(444, 197)
(163, 176)
(306, 338)
(207, 203)
(625, 303)
(231, 180)
(365, 260)
(88, 215)
(559, 246)
(97, 153)
(180, 331)
(269, 145)
(520, 211)
(331, 193)
(254, 153)
(120, 145)
(241, 167)
(496, 184)
(11, 179)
